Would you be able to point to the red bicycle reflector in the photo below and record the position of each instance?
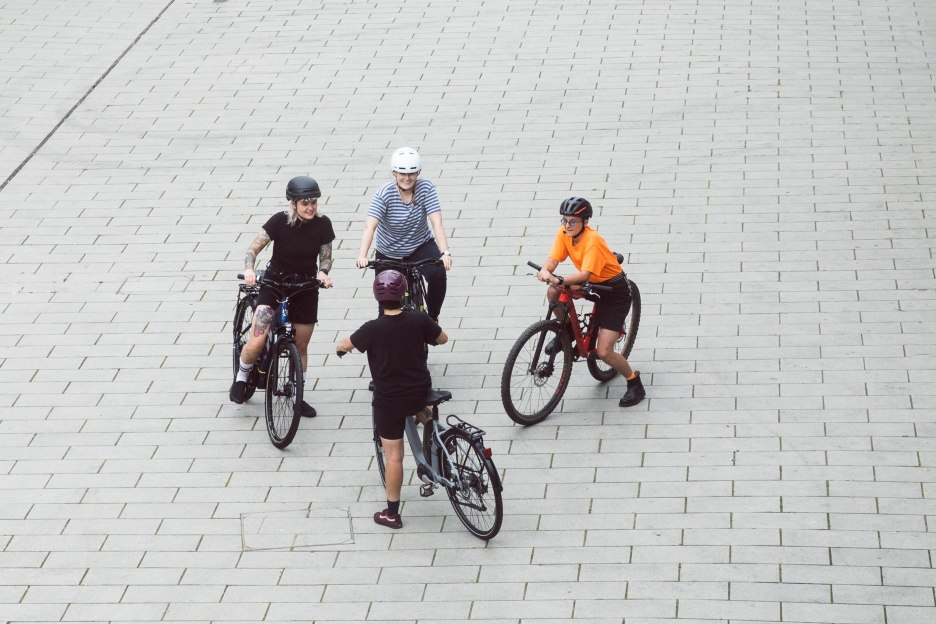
(487, 453)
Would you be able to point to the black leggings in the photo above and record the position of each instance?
(436, 280)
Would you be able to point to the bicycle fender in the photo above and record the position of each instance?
(495, 476)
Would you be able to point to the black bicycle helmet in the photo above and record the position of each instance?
(302, 187)
(389, 285)
(575, 207)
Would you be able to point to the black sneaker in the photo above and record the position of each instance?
(306, 410)
(385, 519)
(238, 393)
(552, 347)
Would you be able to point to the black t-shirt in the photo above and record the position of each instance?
(397, 360)
(296, 247)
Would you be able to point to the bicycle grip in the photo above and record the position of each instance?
(535, 266)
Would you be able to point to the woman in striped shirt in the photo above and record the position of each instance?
(400, 215)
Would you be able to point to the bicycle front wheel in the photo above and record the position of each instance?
(477, 501)
(533, 381)
(283, 394)
(598, 369)
(243, 321)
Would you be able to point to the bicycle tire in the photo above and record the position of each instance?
(418, 298)
(478, 503)
(531, 390)
(283, 394)
(598, 369)
(243, 321)
(379, 456)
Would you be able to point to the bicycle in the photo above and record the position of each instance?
(453, 456)
(278, 370)
(534, 380)
(415, 296)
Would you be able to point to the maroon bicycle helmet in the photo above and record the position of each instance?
(576, 207)
(389, 285)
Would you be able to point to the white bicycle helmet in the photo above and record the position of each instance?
(406, 160)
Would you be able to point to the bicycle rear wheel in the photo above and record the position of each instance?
(379, 455)
(283, 394)
(478, 502)
(598, 369)
(533, 382)
(243, 321)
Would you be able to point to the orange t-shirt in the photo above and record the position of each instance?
(592, 254)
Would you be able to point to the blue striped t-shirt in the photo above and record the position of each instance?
(401, 228)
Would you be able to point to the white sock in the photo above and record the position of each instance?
(243, 370)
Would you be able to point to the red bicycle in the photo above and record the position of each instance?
(536, 373)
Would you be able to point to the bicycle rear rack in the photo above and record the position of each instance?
(476, 433)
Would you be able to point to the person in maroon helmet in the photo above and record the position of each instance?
(396, 355)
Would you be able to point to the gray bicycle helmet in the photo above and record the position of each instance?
(302, 187)
(389, 285)
(575, 207)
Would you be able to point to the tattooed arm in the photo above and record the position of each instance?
(325, 264)
(250, 272)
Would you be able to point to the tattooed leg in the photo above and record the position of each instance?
(263, 319)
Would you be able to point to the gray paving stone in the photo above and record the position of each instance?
(764, 169)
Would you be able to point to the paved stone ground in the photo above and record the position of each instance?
(767, 168)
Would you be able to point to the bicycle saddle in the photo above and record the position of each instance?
(437, 396)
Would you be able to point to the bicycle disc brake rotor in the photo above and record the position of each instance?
(541, 375)
(288, 390)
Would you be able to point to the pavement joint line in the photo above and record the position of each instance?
(81, 100)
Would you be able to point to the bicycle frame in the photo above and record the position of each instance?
(432, 464)
(568, 313)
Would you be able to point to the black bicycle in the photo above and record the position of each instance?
(453, 456)
(415, 296)
(279, 368)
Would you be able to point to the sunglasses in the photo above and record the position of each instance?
(570, 221)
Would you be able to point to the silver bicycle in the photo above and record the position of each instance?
(453, 456)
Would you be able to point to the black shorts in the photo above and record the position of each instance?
(303, 308)
(611, 310)
(390, 426)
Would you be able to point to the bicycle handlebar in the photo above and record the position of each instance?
(402, 264)
(265, 279)
(587, 287)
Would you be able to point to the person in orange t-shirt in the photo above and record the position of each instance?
(596, 263)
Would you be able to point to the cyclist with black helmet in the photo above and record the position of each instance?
(396, 355)
(595, 263)
(400, 215)
(302, 251)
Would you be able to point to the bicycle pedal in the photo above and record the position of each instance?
(426, 490)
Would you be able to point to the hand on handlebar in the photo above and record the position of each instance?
(250, 277)
(544, 276)
(362, 262)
